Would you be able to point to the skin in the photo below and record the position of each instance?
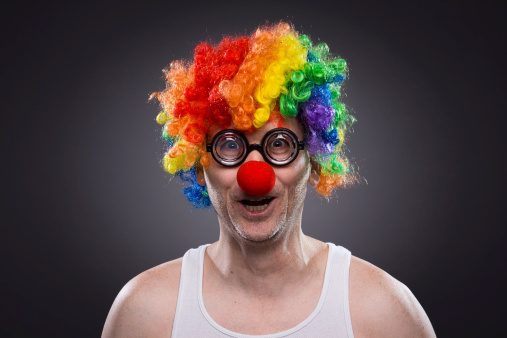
(258, 265)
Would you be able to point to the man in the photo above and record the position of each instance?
(248, 125)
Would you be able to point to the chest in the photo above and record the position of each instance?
(248, 313)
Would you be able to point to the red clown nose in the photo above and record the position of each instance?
(256, 178)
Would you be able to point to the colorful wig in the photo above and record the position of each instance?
(243, 82)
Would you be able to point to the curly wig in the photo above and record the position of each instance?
(243, 82)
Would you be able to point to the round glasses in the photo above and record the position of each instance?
(279, 147)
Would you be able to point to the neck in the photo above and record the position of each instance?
(262, 267)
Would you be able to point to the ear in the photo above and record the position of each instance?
(314, 173)
(199, 174)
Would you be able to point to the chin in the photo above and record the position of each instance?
(258, 232)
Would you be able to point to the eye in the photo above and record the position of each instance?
(230, 145)
(279, 144)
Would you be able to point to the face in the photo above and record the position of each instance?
(259, 218)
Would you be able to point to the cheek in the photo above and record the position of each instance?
(297, 173)
(218, 178)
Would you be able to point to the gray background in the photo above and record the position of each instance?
(86, 205)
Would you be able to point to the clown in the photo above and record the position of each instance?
(248, 124)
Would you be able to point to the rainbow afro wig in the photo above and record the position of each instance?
(243, 82)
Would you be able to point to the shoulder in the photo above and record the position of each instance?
(146, 305)
(382, 306)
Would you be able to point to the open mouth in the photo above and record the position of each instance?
(257, 205)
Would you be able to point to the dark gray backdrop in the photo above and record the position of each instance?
(86, 205)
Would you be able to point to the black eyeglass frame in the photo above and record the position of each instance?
(299, 145)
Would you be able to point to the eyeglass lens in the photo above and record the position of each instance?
(230, 147)
(280, 146)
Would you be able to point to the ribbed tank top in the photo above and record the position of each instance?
(331, 317)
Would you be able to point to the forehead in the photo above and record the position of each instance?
(278, 122)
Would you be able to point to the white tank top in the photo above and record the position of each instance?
(331, 317)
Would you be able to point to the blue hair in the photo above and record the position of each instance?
(195, 193)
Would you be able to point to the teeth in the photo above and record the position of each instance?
(256, 207)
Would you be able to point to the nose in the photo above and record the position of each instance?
(255, 153)
(256, 178)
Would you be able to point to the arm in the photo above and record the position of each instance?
(146, 305)
(381, 306)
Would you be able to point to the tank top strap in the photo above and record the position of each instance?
(336, 306)
(188, 318)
